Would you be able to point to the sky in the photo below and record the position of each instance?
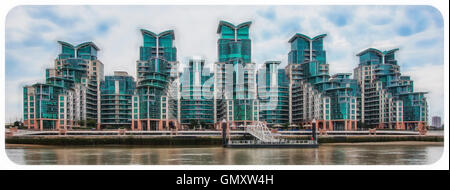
(32, 33)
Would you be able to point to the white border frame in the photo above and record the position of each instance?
(7, 164)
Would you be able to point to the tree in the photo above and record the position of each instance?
(17, 124)
(202, 125)
(285, 126)
(362, 125)
(193, 123)
(81, 122)
(91, 123)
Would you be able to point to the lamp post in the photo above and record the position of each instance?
(313, 129)
(224, 132)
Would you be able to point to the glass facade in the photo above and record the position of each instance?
(314, 94)
(388, 98)
(116, 94)
(235, 81)
(76, 75)
(234, 42)
(197, 93)
(155, 72)
(75, 89)
(273, 94)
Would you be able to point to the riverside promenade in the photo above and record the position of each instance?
(75, 137)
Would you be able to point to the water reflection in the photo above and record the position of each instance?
(326, 154)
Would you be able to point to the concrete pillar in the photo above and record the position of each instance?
(139, 122)
(35, 124)
(345, 124)
(350, 127)
(331, 126)
(356, 125)
(99, 127)
(160, 126)
(148, 124)
(57, 124)
(132, 124)
(41, 124)
(420, 126)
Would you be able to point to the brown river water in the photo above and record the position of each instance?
(394, 153)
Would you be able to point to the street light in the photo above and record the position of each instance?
(313, 129)
(224, 132)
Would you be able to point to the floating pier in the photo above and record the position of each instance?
(264, 138)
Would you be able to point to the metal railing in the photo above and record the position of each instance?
(261, 132)
(250, 142)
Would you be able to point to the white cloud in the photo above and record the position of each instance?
(429, 78)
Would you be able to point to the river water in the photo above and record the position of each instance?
(398, 153)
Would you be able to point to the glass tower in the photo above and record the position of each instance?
(235, 76)
(156, 70)
(74, 85)
(315, 95)
(388, 99)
